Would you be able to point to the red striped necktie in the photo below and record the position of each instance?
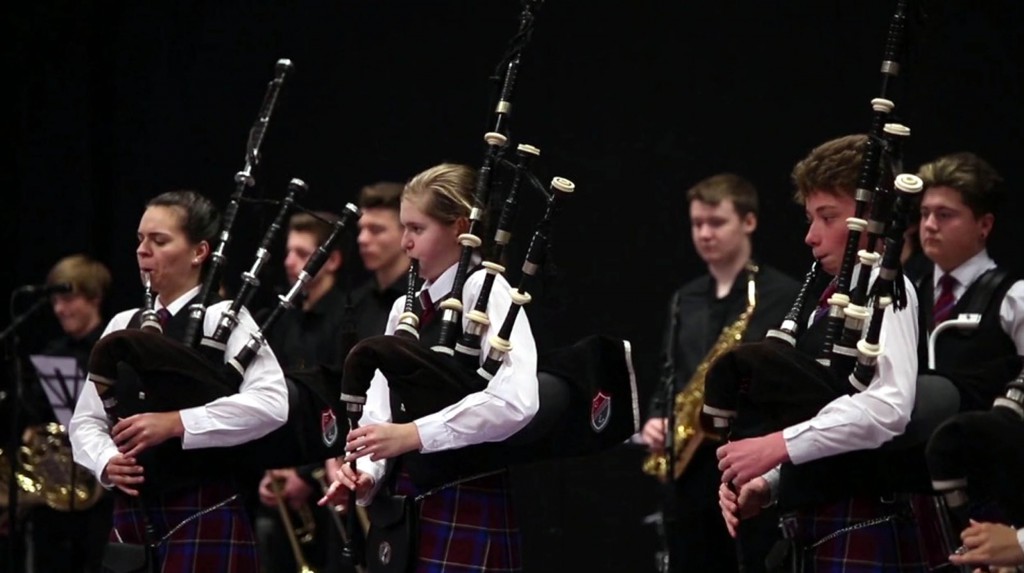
(944, 304)
(428, 308)
(823, 300)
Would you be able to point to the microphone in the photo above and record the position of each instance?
(45, 289)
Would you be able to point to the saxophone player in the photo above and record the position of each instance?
(723, 212)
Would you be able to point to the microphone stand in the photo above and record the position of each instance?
(9, 338)
(668, 497)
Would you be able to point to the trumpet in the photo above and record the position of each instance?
(320, 475)
(296, 535)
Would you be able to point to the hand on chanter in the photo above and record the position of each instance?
(753, 496)
(346, 480)
(987, 543)
(136, 433)
(744, 460)
(124, 473)
(382, 441)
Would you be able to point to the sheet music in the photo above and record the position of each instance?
(63, 381)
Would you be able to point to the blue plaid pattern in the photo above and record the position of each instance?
(467, 528)
(910, 542)
(220, 540)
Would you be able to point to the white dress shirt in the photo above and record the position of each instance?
(1011, 310)
(867, 419)
(504, 407)
(259, 407)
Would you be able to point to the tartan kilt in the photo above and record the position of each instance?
(910, 542)
(467, 528)
(220, 540)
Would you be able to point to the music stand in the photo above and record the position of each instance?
(62, 379)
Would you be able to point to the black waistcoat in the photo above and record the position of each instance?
(863, 472)
(432, 470)
(168, 466)
(979, 361)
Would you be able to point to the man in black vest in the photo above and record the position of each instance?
(962, 193)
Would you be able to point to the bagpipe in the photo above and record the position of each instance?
(148, 367)
(145, 370)
(783, 379)
(764, 387)
(587, 392)
(976, 462)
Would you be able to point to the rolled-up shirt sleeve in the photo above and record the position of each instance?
(89, 429)
(259, 407)
(1011, 315)
(510, 399)
(867, 419)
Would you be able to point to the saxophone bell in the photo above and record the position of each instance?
(690, 431)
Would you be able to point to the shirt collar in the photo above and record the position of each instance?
(968, 272)
(179, 303)
(442, 285)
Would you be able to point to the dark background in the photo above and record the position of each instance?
(114, 102)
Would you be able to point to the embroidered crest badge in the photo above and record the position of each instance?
(600, 411)
(328, 427)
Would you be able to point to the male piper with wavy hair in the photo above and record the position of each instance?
(836, 517)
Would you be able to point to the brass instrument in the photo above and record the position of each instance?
(47, 474)
(296, 535)
(689, 433)
(320, 475)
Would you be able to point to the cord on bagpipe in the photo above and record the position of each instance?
(243, 180)
(287, 301)
(429, 380)
(215, 345)
(139, 370)
(576, 386)
(788, 385)
(496, 140)
(776, 384)
(836, 343)
(124, 354)
(468, 346)
(362, 360)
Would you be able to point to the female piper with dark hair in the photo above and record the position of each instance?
(197, 520)
(469, 525)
